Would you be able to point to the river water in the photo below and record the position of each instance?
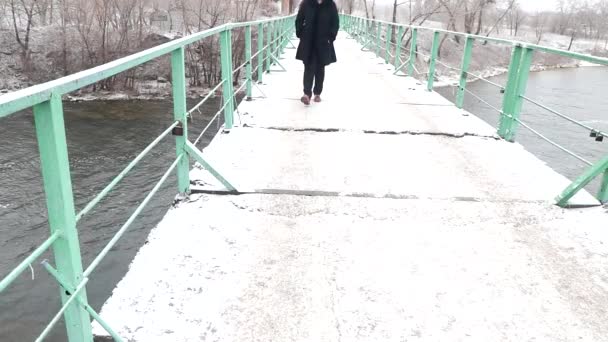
(577, 92)
(104, 136)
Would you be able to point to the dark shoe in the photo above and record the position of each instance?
(305, 99)
(317, 98)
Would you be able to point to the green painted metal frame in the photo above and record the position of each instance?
(590, 174)
(67, 287)
(464, 71)
(198, 156)
(249, 61)
(413, 47)
(514, 91)
(433, 62)
(378, 37)
(268, 48)
(178, 76)
(399, 40)
(387, 53)
(50, 131)
(260, 52)
(519, 70)
(228, 88)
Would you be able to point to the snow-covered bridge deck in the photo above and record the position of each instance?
(381, 214)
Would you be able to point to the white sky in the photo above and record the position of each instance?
(537, 5)
(527, 5)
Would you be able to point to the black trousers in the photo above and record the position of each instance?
(313, 72)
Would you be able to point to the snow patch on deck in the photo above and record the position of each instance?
(467, 246)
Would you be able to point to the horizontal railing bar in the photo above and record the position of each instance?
(68, 302)
(240, 67)
(31, 96)
(261, 21)
(264, 48)
(28, 97)
(29, 260)
(485, 80)
(399, 67)
(422, 54)
(569, 54)
(446, 65)
(574, 121)
(259, 52)
(218, 113)
(561, 52)
(418, 71)
(211, 93)
(461, 34)
(124, 172)
(86, 306)
(125, 226)
(238, 90)
(255, 70)
(483, 101)
(540, 135)
(207, 127)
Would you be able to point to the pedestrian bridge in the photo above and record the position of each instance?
(383, 213)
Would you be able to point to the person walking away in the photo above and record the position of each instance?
(317, 25)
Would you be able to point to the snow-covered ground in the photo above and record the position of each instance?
(382, 213)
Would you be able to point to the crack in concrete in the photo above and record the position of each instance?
(321, 193)
(413, 133)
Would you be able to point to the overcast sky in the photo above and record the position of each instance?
(537, 5)
(528, 5)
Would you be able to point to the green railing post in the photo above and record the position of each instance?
(55, 165)
(601, 167)
(368, 34)
(433, 64)
(268, 45)
(413, 47)
(399, 45)
(178, 77)
(249, 67)
(273, 51)
(227, 87)
(260, 56)
(510, 89)
(519, 70)
(603, 194)
(464, 70)
(389, 32)
(285, 32)
(378, 37)
(280, 30)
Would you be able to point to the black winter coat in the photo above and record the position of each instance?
(317, 26)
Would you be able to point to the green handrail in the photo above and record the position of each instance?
(514, 91)
(50, 129)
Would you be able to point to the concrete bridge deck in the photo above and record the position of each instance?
(381, 214)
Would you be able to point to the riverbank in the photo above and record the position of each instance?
(453, 78)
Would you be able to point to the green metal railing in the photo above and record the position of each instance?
(273, 35)
(369, 33)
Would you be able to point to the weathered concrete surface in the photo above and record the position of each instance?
(298, 268)
(467, 246)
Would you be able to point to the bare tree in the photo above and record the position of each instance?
(348, 6)
(501, 17)
(538, 23)
(516, 17)
(23, 10)
(370, 9)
